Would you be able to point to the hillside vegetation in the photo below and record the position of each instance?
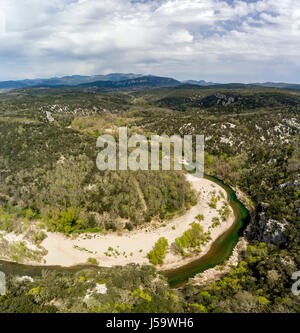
(251, 142)
(50, 167)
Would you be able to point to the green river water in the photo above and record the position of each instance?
(218, 253)
(222, 247)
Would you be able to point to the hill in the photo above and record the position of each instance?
(73, 80)
(131, 80)
(48, 181)
(141, 82)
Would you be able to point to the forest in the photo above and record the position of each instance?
(48, 177)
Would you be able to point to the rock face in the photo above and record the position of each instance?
(270, 231)
(266, 230)
(49, 117)
(294, 183)
(2, 284)
(224, 100)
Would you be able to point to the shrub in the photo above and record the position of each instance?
(158, 254)
(190, 239)
(92, 261)
(200, 217)
(66, 221)
(215, 222)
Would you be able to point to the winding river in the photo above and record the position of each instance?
(220, 250)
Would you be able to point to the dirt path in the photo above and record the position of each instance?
(141, 195)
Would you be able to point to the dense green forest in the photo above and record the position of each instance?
(48, 174)
(50, 167)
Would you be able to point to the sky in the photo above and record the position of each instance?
(213, 40)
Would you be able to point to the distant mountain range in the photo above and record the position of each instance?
(200, 83)
(282, 85)
(144, 81)
(73, 80)
(130, 80)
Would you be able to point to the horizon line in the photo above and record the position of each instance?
(144, 75)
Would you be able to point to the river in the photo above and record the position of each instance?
(222, 247)
(219, 252)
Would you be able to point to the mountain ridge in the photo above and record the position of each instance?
(130, 80)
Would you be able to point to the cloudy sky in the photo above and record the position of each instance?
(215, 40)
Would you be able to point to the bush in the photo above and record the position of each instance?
(66, 221)
(92, 261)
(129, 226)
(190, 239)
(158, 254)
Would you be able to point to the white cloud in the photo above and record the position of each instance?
(208, 39)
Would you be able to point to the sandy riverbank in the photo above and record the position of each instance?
(133, 246)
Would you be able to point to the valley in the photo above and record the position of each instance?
(62, 220)
(132, 247)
